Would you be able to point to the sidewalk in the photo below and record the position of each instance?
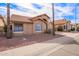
(67, 50)
(50, 47)
(31, 50)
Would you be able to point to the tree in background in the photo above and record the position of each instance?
(77, 27)
(53, 26)
(60, 28)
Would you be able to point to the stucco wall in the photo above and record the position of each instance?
(68, 26)
(28, 28)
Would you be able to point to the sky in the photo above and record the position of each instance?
(67, 11)
(61, 10)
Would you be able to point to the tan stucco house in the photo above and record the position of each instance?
(29, 25)
(1, 23)
(65, 24)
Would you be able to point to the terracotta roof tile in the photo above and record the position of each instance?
(61, 21)
(19, 18)
(41, 15)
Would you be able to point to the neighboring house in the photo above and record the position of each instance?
(73, 25)
(29, 25)
(1, 23)
(65, 24)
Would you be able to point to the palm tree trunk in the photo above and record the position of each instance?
(53, 26)
(75, 17)
(9, 35)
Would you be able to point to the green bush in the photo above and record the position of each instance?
(60, 28)
(48, 31)
(69, 30)
(73, 29)
(77, 28)
(5, 28)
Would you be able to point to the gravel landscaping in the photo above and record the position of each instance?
(15, 42)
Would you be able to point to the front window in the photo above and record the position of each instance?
(18, 27)
(38, 27)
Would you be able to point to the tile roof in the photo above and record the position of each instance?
(42, 15)
(61, 21)
(19, 18)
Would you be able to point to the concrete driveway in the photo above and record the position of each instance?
(67, 45)
(69, 49)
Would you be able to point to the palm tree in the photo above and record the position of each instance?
(9, 35)
(53, 26)
(76, 8)
(75, 17)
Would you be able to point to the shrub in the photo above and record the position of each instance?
(48, 31)
(5, 28)
(77, 28)
(69, 30)
(73, 29)
(60, 28)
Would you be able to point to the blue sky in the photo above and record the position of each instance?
(62, 10)
(67, 11)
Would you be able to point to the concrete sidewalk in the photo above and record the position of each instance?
(32, 50)
(66, 50)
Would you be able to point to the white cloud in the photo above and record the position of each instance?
(47, 8)
(3, 10)
(63, 11)
(30, 14)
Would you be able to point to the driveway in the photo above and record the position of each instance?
(69, 49)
